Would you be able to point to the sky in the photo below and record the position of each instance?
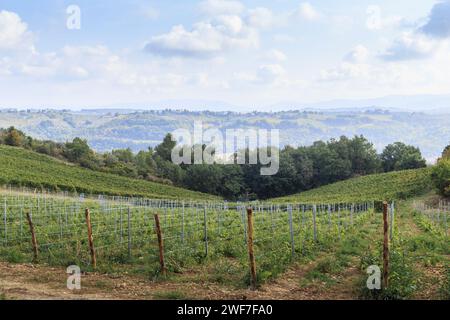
(228, 53)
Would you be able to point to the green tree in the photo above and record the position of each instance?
(399, 156)
(446, 153)
(145, 163)
(14, 137)
(78, 151)
(363, 156)
(164, 150)
(204, 178)
(441, 177)
(170, 171)
(232, 182)
(124, 155)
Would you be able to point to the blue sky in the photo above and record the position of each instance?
(244, 53)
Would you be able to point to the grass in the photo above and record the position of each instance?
(445, 288)
(377, 187)
(326, 268)
(19, 167)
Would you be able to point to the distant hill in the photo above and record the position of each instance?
(378, 187)
(21, 167)
(122, 128)
(425, 102)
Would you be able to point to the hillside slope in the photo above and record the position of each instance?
(385, 186)
(21, 167)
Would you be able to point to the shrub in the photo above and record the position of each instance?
(441, 177)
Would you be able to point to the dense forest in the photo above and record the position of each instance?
(301, 168)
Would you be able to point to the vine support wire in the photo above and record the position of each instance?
(182, 223)
(5, 222)
(129, 232)
(121, 226)
(339, 221)
(242, 209)
(352, 209)
(314, 213)
(445, 222)
(291, 230)
(392, 212)
(205, 230)
(329, 217)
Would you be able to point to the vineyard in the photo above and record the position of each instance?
(20, 167)
(332, 227)
(389, 186)
(436, 216)
(193, 233)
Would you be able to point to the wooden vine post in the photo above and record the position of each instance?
(385, 246)
(251, 253)
(90, 238)
(33, 238)
(160, 244)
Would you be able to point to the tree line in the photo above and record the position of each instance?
(300, 168)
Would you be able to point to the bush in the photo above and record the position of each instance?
(441, 177)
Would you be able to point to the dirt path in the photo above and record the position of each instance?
(25, 281)
(40, 282)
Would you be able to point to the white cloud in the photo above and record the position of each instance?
(270, 72)
(205, 39)
(284, 38)
(276, 55)
(230, 24)
(358, 54)
(14, 32)
(219, 7)
(425, 41)
(273, 75)
(345, 71)
(260, 18)
(308, 12)
(358, 73)
(376, 21)
(410, 46)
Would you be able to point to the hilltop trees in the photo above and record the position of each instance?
(399, 156)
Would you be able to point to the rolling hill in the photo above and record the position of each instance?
(385, 186)
(123, 128)
(21, 167)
